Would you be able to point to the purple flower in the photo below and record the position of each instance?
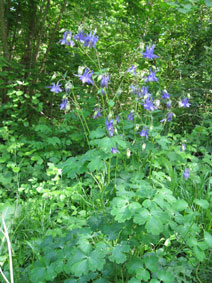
(144, 132)
(63, 105)
(148, 105)
(109, 127)
(169, 104)
(186, 173)
(117, 120)
(169, 116)
(136, 90)
(80, 36)
(114, 150)
(104, 81)
(90, 40)
(151, 77)
(185, 102)
(165, 95)
(96, 113)
(103, 91)
(149, 52)
(55, 88)
(86, 77)
(132, 70)
(145, 91)
(183, 147)
(130, 116)
(64, 41)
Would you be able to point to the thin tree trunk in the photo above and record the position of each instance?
(35, 53)
(4, 31)
(53, 36)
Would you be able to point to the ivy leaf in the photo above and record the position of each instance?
(118, 253)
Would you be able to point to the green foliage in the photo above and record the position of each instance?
(75, 210)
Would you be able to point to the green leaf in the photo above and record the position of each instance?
(200, 255)
(151, 262)
(143, 275)
(134, 280)
(121, 210)
(208, 3)
(96, 164)
(180, 205)
(141, 216)
(202, 203)
(118, 253)
(133, 265)
(154, 225)
(165, 276)
(111, 103)
(98, 133)
(38, 274)
(208, 239)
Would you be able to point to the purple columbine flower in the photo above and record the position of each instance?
(165, 95)
(136, 90)
(63, 105)
(109, 127)
(169, 116)
(149, 52)
(86, 77)
(186, 173)
(130, 116)
(169, 104)
(64, 40)
(80, 36)
(117, 120)
(132, 70)
(104, 81)
(114, 150)
(55, 88)
(145, 91)
(96, 113)
(185, 102)
(148, 105)
(90, 40)
(183, 147)
(151, 77)
(144, 132)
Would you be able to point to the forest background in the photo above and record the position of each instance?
(101, 181)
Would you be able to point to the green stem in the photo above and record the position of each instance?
(108, 176)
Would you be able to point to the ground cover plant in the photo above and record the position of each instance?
(111, 182)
